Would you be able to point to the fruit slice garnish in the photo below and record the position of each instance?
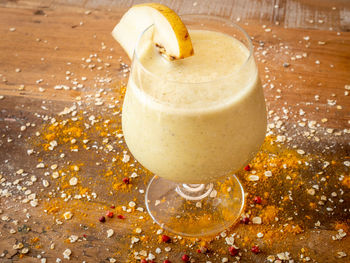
(170, 35)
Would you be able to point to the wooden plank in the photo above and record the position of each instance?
(290, 13)
(44, 46)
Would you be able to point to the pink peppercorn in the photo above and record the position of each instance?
(126, 180)
(245, 220)
(165, 238)
(202, 250)
(102, 219)
(256, 249)
(167, 261)
(121, 216)
(185, 258)
(109, 214)
(247, 168)
(257, 199)
(233, 251)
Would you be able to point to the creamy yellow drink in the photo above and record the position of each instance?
(197, 119)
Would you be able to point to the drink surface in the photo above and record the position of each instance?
(198, 119)
(216, 55)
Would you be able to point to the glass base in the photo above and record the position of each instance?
(195, 209)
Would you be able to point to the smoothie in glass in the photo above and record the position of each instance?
(197, 119)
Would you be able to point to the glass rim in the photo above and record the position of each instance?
(210, 17)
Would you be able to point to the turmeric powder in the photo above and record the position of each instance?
(99, 161)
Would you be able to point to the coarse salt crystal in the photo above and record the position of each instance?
(311, 191)
(268, 173)
(259, 235)
(283, 256)
(40, 165)
(67, 215)
(34, 203)
(151, 256)
(301, 152)
(341, 254)
(73, 181)
(253, 178)
(230, 240)
(134, 175)
(31, 196)
(25, 250)
(33, 178)
(134, 240)
(110, 233)
(213, 193)
(67, 253)
(257, 220)
(46, 183)
(126, 158)
(55, 175)
(73, 238)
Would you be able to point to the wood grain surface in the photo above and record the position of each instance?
(302, 49)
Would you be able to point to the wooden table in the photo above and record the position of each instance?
(59, 53)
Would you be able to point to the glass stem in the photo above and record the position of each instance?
(194, 191)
